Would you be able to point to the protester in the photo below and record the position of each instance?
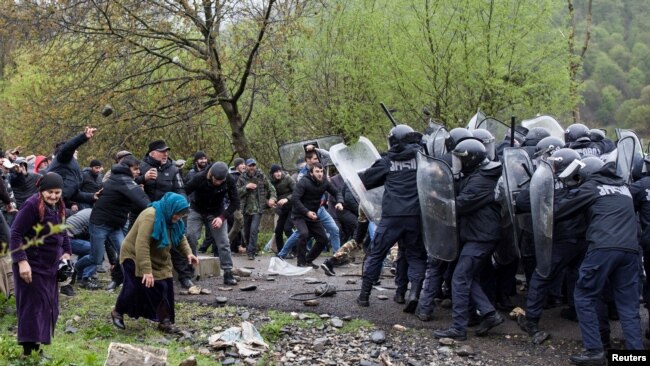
(148, 289)
(35, 267)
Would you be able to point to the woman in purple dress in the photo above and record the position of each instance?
(35, 266)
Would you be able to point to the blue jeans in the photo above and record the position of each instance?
(195, 224)
(87, 265)
(289, 244)
(330, 228)
(80, 247)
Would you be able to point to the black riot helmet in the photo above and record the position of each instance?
(597, 134)
(468, 155)
(565, 162)
(455, 135)
(546, 146)
(535, 135)
(488, 141)
(575, 132)
(403, 134)
(592, 164)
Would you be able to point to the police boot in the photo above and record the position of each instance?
(228, 278)
(531, 326)
(589, 357)
(412, 298)
(364, 295)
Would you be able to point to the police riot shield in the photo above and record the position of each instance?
(625, 152)
(478, 117)
(541, 202)
(352, 160)
(294, 152)
(517, 168)
(434, 140)
(547, 122)
(497, 128)
(438, 208)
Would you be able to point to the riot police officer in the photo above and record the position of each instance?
(612, 255)
(400, 221)
(479, 216)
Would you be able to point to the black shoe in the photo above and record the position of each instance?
(399, 297)
(314, 266)
(504, 304)
(452, 333)
(89, 284)
(489, 321)
(251, 257)
(647, 333)
(166, 326)
(589, 358)
(112, 286)
(364, 299)
(186, 283)
(532, 328)
(424, 316)
(118, 320)
(569, 314)
(67, 290)
(474, 319)
(328, 268)
(101, 269)
(228, 278)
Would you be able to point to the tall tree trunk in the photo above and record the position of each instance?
(577, 59)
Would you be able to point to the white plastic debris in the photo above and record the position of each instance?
(284, 268)
(245, 338)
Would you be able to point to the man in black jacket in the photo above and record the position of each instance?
(65, 164)
(641, 194)
(120, 196)
(91, 180)
(479, 216)
(160, 175)
(208, 189)
(400, 218)
(23, 182)
(612, 256)
(306, 202)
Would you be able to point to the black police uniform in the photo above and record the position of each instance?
(612, 255)
(400, 221)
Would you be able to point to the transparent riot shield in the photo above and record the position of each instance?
(517, 168)
(625, 152)
(438, 207)
(548, 122)
(435, 140)
(478, 117)
(497, 128)
(293, 152)
(541, 202)
(352, 160)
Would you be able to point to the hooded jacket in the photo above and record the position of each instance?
(397, 172)
(607, 204)
(68, 168)
(121, 194)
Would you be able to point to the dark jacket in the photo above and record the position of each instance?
(23, 185)
(571, 229)
(91, 183)
(121, 195)
(67, 167)
(641, 195)
(169, 178)
(586, 148)
(208, 199)
(609, 210)
(307, 195)
(477, 208)
(397, 172)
